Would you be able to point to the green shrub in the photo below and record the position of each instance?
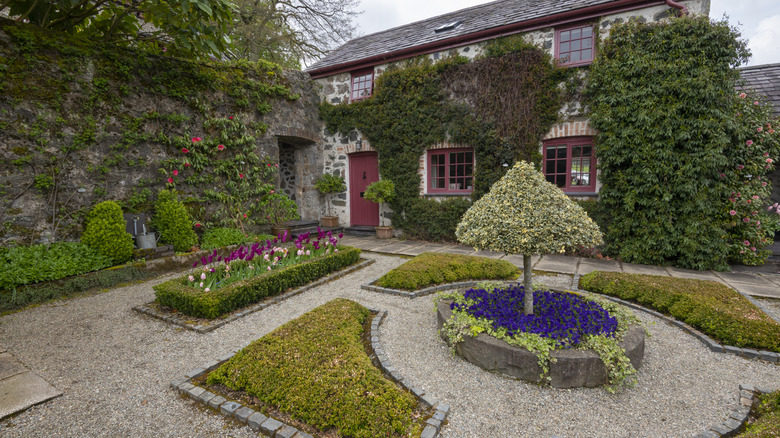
(316, 369)
(222, 237)
(429, 269)
(173, 222)
(21, 265)
(713, 308)
(105, 232)
(431, 220)
(328, 185)
(196, 302)
(767, 414)
(40, 293)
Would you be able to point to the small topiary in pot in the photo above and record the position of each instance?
(329, 185)
(106, 233)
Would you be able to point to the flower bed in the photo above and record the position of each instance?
(250, 274)
(487, 326)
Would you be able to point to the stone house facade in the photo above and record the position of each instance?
(568, 29)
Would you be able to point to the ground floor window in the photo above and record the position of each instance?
(570, 164)
(450, 170)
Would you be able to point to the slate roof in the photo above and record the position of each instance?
(764, 79)
(475, 19)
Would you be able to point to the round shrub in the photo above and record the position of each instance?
(106, 233)
(173, 222)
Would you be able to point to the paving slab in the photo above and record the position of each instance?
(774, 278)
(460, 249)
(427, 247)
(630, 268)
(23, 391)
(517, 260)
(743, 277)
(755, 290)
(373, 244)
(489, 254)
(9, 366)
(697, 275)
(557, 263)
(589, 265)
(398, 246)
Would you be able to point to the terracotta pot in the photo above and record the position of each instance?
(384, 232)
(280, 230)
(329, 221)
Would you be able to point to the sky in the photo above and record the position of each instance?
(757, 20)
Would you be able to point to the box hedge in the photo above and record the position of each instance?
(198, 303)
(713, 308)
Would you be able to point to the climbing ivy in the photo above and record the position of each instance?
(417, 104)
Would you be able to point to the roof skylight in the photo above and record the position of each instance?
(448, 26)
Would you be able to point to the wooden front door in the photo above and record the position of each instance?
(363, 170)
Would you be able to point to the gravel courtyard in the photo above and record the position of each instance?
(114, 366)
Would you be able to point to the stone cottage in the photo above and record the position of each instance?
(567, 29)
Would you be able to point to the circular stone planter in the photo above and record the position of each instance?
(573, 368)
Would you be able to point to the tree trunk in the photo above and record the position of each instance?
(527, 285)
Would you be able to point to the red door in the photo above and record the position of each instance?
(363, 170)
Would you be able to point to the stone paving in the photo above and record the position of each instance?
(756, 284)
(20, 388)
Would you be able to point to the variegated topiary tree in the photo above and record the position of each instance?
(525, 214)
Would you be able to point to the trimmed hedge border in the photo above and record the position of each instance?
(200, 304)
(202, 327)
(274, 428)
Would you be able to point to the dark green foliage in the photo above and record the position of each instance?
(105, 232)
(21, 265)
(315, 368)
(40, 293)
(173, 222)
(429, 269)
(717, 310)
(195, 302)
(596, 212)
(222, 237)
(661, 98)
(431, 220)
(767, 412)
(410, 111)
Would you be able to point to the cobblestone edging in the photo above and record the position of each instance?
(277, 429)
(769, 356)
(186, 321)
(420, 293)
(748, 397)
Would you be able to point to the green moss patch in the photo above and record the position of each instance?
(315, 369)
(717, 310)
(767, 417)
(428, 269)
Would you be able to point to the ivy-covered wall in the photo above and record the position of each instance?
(81, 123)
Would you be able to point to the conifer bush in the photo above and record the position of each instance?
(173, 222)
(106, 233)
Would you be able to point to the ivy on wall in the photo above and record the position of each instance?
(501, 104)
(81, 95)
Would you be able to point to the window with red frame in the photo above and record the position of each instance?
(570, 164)
(574, 45)
(450, 171)
(362, 84)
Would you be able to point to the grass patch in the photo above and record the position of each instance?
(428, 269)
(767, 418)
(713, 308)
(316, 369)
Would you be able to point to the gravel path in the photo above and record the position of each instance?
(114, 366)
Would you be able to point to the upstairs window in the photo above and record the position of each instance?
(570, 164)
(362, 84)
(574, 46)
(451, 171)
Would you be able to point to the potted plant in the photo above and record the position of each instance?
(278, 210)
(381, 191)
(329, 185)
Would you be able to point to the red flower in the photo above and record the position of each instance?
(231, 117)
(221, 147)
(245, 215)
(175, 173)
(186, 164)
(170, 180)
(197, 225)
(185, 150)
(240, 175)
(196, 139)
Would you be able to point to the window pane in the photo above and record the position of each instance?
(561, 151)
(560, 166)
(576, 34)
(574, 56)
(469, 157)
(575, 165)
(550, 167)
(565, 36)
(564, 47)
(587, 150)
(576, 45)
(560, 181)
(551, 179)
(551, 152)
(587, 32)
(576, 151)
(587, 54)
(585, 166)
(587, 43)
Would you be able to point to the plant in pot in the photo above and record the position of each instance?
(329, 185)
(381, 191)
(278, 210)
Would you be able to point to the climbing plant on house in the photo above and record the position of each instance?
(417, 104)
(661, 97)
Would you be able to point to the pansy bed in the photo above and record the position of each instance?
(570, 340)
(250, 274)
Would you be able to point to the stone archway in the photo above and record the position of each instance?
(298, 171)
